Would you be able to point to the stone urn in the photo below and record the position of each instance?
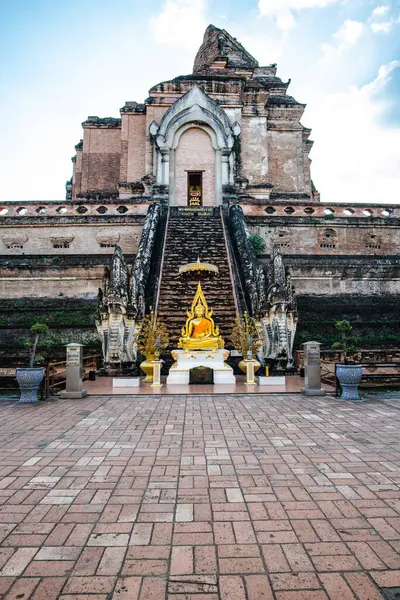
(29, 380)
(242, 365)
(147, 367)
(349, 377)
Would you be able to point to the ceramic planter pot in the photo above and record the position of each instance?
(29, 380)
(147, 367)
(349, 377)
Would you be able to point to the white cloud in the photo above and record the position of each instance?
(381, 26)
(181, 23)
(282, 10)
(356, 159)
(276, 6)
(379, 11)
(384, 27)
(383, 77)
(285, 20)
(349, 33)
(346, 37)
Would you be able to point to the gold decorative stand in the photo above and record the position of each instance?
(156, 373)
(250, 372)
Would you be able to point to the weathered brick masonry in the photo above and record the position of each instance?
(233, 121)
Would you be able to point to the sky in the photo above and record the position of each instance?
(63, 60)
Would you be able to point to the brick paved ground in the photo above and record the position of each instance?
(199, 498)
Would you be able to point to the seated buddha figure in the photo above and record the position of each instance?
(200, 327)
(200, 332)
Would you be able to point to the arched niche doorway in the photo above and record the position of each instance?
(195, 136)
(193, 179)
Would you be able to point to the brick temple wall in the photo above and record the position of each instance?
(101, 159)
(375, 318)
(351, 275)
(255, 162)
(35, 277)
(133, 143)
(310, 237)
(72, 239)
(286, 161)
(51, 281)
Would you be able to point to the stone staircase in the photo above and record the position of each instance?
(188, 237)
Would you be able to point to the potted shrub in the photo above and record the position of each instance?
(246, 340)
(152, 340)
(30, 378)
(348, 374)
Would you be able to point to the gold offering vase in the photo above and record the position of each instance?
(242, 365)
(147, 367)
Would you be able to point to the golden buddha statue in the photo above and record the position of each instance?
(199, 332)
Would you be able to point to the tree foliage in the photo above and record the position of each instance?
(37, 329)
(347, 344)
(258, 244)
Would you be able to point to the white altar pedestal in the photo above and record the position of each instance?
(214, 359)
(272, 380)
(126, 382)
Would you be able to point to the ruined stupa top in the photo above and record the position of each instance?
(217, 45)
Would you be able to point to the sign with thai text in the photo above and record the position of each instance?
(313, 355)
(73, 356)
(201, 210)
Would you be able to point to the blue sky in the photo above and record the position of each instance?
(62, 60)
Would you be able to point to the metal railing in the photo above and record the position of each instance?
(362, 356)
(328, 372)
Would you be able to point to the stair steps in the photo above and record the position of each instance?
(190, 237)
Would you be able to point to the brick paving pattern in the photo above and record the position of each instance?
(199, 498)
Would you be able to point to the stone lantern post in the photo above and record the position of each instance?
(312, 370)
(74, 372)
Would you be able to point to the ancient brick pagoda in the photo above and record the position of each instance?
(229, 130)
(207, 159)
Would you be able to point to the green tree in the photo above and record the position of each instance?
(346, 344)
(37, 329)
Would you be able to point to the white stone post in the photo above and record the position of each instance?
(171, 177)
(165, 167)
(74, 372)
(312, 370)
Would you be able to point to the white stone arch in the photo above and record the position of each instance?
(195, 109)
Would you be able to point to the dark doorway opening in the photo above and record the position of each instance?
(195, 188)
